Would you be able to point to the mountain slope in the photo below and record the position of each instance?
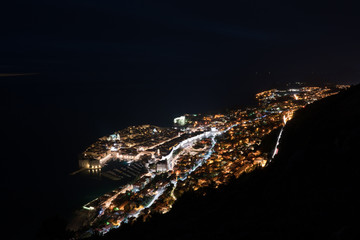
(308, 191)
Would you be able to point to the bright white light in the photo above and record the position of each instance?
(113, 149)
(180, 120)
(88, 208)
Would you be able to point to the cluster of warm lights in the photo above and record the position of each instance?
(203, 160)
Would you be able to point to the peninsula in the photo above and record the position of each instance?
(200, 150)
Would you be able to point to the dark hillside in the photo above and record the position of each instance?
(308, 191)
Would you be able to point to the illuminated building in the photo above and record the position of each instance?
(181, 121)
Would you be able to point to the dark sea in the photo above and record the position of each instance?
(47, 123)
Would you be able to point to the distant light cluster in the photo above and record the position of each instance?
(199, 151)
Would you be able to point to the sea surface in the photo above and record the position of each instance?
(47, 124)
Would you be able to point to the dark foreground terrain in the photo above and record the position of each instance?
(308, 191)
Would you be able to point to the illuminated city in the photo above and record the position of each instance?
(179, 120)
(201, 150)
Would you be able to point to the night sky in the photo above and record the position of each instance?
(167, 42)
